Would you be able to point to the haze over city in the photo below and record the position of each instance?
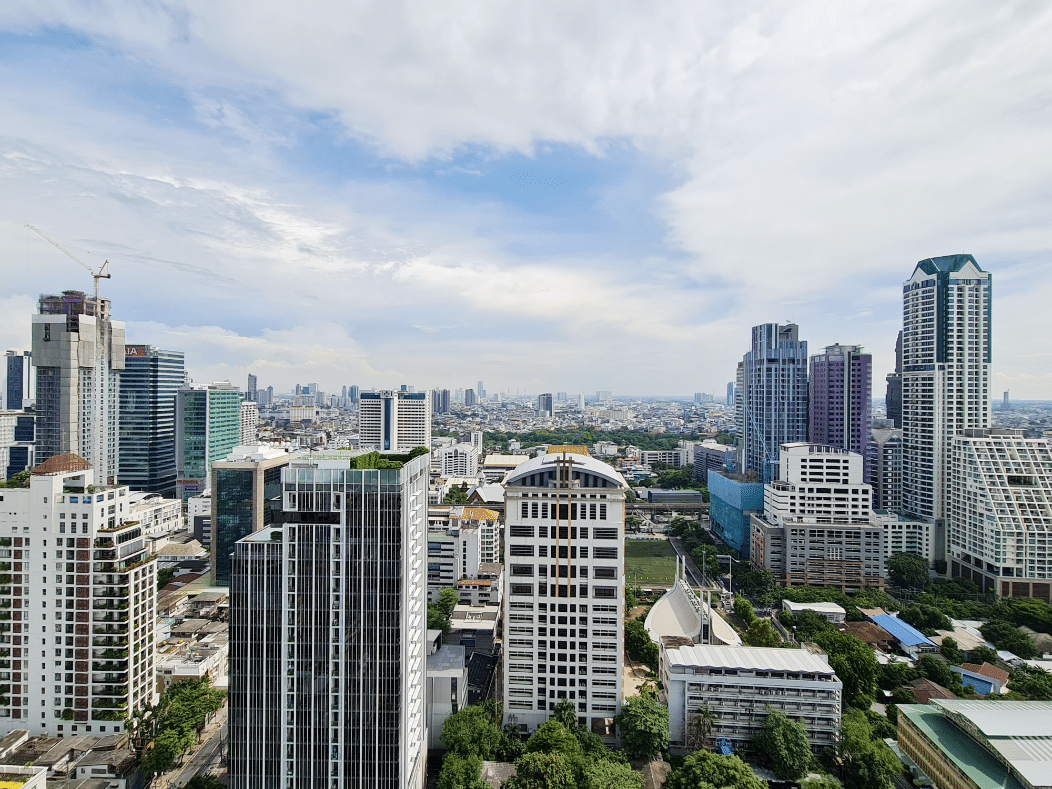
(544, 196)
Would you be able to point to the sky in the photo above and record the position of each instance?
(546, 195)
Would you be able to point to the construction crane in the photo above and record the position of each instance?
(95, 275)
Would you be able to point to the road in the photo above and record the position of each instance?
(201, 762)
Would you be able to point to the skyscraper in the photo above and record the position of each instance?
(79, 355)
(945, 377)
(244, 486)
(564, 590)
(21, 381)
(545, 405)
(149, 384)
(730, 393)
(893, 397)
(391, 421)
(85, 575)
(440, 401)
(327, 632)
(207, 428)
(250, 395)
(884, 457)
(841, 383)
(772, 398)
(469, 397)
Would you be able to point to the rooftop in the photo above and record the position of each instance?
(62, 464)
(904, 633)
(748, 659)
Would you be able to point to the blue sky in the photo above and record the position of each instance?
(547, 196)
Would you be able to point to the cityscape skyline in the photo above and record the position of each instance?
(288, 215)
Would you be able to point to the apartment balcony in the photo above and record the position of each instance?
(110, 666)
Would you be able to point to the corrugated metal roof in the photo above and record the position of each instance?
(748, 658)
(903, 632)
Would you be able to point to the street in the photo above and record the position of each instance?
(202, 760)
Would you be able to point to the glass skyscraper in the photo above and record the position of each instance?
(149, 383)
(207, 427)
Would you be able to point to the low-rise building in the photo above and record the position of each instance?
(903, 534)
(908, 639)
(983, 679)
(447, 684)
(733, 499)
(474, 627)
(831, 611)
(739, 684)
(969, 744)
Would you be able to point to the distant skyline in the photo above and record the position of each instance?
(546, 196)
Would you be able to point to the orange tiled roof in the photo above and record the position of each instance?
(60, 464)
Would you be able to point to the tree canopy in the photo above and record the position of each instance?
(781, 744)
(705, 770)
(908, 571)
(865, 762)
(1006, 636)
(440, 611)
(854, 663)
(643, 724)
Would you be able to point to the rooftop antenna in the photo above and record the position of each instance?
(95, 275)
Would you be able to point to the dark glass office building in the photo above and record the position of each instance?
(149, 382)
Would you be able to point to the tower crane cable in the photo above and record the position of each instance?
(95, 275)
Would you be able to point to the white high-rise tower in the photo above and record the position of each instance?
(945, 378)
(79, 355)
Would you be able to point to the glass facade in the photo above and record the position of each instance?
(238, 496)
(149, 383)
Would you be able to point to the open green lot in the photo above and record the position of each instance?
(649, 562)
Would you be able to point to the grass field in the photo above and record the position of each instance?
(649, 562)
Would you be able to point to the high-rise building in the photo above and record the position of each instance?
(248, 432)
(893, 397)
(17, 443)
(79, 356)
(999, 518)
(149, 384)
(841, 384)
(391, 421)
(545, 405)
(458, 460)
(469, 397)
(817, 527)
(885, 468)
(604, 396)
(730, 393)
(772, 398)
(481, 392)
(440, 401)
(353, 392)
(21, 381)
(477, 441)
(560, 397)
(207, 428)
(252, 392)
(246, 492)
(945, 377)
(83, 573)
(327, 632)
(564, 590)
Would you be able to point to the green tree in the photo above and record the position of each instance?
(471, 732)
(893, 675)
(553, 737)
(643, 724)
(456, 497)
(821, 782)
(461, 771)
(925, 618)
(705, 770)
(539, 770)
(761, 634)
(19, 480)
(782, 745)
(639, 645)
(810, 622)
(744, 611)
(1032, 682)
(700, 727)
(164, 576)
(936, 670)
(948, 649)
(1006, 636)
(607, 774)
(854, 663)
(903, 696)
(565, 713)
(204, 782)
(440, 611)
(908, 571)
(982, 655)
(865, 762)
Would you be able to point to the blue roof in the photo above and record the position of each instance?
(904, 633)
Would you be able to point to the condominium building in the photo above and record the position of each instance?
(21, 385)
(999, 521)
(246, 491)
(772, 402)
(884, 468)
(458, 460)
(893, 394)
(545, 405)
(149, 384)
(249, 431)
(903, 534)
(712, 455)
(17, 443)
(945, 377)
(80, 587)
(740, 685)
(817, 525)
(394, 421)
(79, 356)
(328, 631)
(675, 458)
(564, 590)
(841, 384)
(207, 428)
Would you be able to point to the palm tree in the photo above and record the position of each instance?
(700, 727)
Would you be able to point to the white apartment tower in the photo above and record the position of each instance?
(564, 590)
(394, 421)
(249, 431)
(999, 520)
(79, 355)
(328, 631)
(945, 378)
(79, 591)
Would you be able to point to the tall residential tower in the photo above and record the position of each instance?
(841, 383)
(149, 383)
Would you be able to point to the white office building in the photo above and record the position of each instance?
(945, 378)
(394, 421)
(79, 355)
(564, 590)
(328, 626)
(80, 592)
(739, 685)
(999, 523)
(458, 460)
